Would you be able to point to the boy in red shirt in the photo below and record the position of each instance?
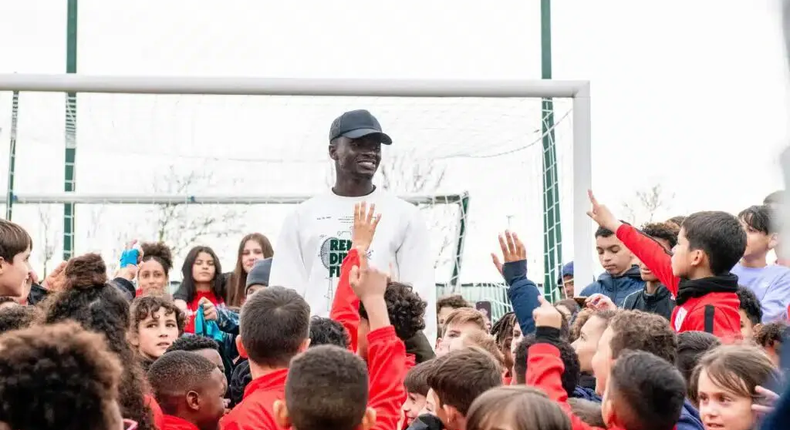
(405, 307)
(327, 387)
(457, 379)
(189, 389)
(641, 390)
(274, 327)
(697, 272)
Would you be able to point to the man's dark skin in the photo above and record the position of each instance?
(356, 161)
(355, 179)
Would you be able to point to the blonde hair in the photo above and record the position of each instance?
(464, 316)
(485, 342)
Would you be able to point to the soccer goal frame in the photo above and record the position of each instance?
(578, 91)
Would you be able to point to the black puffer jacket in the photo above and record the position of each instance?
(660, 303)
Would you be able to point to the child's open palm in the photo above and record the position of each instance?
(365, 222)
(367, 281)
(512, 250)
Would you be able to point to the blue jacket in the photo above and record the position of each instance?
(689, 418)
(586, 393)
(523, 294)
(617, 288)
(779, 418)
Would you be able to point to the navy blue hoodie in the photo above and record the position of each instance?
(689, 418)
(523, 294)
(617, 288)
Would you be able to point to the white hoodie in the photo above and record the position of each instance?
(316, 237)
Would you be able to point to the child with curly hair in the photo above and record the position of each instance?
(153, 273)
(151, 270)
(770, 336)
(17, 317)
(405, 307)
(98, 306)
(156, 324)
(70, 373)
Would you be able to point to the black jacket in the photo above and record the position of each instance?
(420, 347)
(660, 303)
(426, 422)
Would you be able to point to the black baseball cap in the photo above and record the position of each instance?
(355, 124)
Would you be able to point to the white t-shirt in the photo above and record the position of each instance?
(316, 237)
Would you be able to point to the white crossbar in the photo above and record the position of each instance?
(290, 86)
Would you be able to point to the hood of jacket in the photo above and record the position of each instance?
(610, 283)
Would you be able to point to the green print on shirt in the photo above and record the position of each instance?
(333, 252)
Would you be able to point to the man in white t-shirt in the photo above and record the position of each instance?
(316, 237)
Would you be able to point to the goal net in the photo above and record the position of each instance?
(186, 164)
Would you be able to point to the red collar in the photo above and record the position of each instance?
(269, 381)
(172, 422)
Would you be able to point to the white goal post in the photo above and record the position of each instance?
(578, 91)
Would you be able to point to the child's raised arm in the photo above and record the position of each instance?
(522, 292)
(544, 365)
(646, 249)
(345, 306)
(386, 352)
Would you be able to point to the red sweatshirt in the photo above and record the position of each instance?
(192, 308)
(255, 410)
(386, 369)
(176, 423)
(156, 411)
(544, 371)
(715, 313)
(345, 306)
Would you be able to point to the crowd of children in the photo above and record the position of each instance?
(683, 331)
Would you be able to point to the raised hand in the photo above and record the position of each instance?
(366, 281)
(512, 250)
(365, 222)
(601, 214)
(56, 279)
(129, 272)
(546, 315)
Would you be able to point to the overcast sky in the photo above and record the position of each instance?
(689, 94)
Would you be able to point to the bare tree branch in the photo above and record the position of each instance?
(406, 173)
(647, 204)
(49, 236)
(181, 226)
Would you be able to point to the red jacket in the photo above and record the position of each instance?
(386, 370)
(255, 410)
(715, 313)
(193, 306)
(175, 423)
(156, 411)
(345, 305)
(544, 371)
